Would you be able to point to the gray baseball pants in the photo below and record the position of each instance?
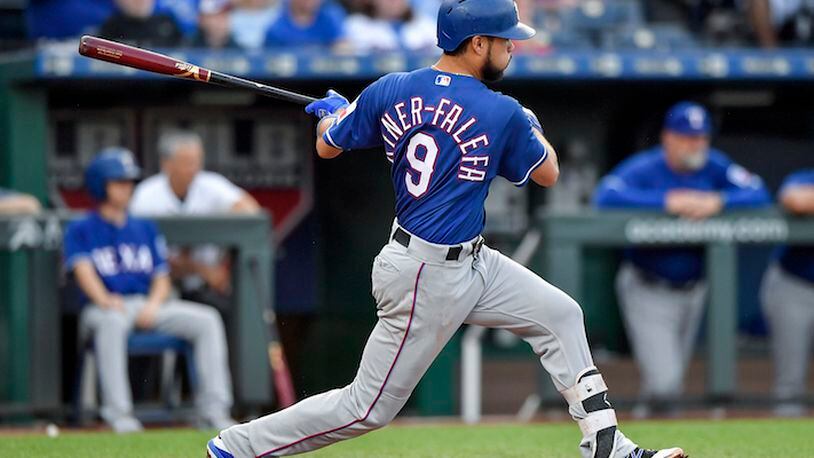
(422, 300)
(662, 325)
(788, 303)
(199, 324)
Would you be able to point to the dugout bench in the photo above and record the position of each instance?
(30, 319)
(568, 235)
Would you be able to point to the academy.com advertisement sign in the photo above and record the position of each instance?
(744, 230)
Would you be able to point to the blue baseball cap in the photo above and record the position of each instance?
(688, 118)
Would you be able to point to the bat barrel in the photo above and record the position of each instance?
(129, 56)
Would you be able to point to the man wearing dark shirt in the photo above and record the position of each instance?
(214, 26)
(136, 23)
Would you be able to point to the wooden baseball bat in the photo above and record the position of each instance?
(142, 59)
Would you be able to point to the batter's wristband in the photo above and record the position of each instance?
(333, 117)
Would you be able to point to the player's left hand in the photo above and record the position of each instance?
(327, 105)
(146, 317)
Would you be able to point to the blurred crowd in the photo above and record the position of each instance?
(363, 26)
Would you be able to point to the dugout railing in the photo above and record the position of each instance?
(31, 352)
(567, 236)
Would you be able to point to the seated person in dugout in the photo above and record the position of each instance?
(661, 291)
(787, 294)
(184, 188)
(120, 265)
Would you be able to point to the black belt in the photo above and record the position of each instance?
(403, 239)
(656, 280)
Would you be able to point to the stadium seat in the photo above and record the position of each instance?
(593, 19)
(138, 344)
(565, 40)
(657, 37)
(598, 15)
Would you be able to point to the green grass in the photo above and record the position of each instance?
(730, 438)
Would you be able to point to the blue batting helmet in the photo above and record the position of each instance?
(110, 164)
(461, 19)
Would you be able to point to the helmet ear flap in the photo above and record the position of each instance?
(96, 181)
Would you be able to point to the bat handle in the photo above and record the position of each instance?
(269, 91)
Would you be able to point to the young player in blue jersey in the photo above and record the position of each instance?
(662, 291)
(120, 265)
(448, 136)
(787, 294)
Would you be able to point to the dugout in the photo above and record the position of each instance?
(57, 108)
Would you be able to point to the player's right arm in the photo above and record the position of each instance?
(77, 251)
(797, 193)
(328, 109)
(345, 126)
(324, 150)
(528, 155)
(93, 287)
(549, 171)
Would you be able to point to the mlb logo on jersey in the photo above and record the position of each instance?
(443, 80)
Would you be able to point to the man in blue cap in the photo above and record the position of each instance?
(120, 265)
(661, 291)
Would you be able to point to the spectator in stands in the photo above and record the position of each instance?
(214, 26)
(777, 22)
(528, 14)
(135, 22)
(250, 20)
(59, 19)
(16, 203)
(787, 294)
(307, 22)
(661, 291)
(426, 8)
(183, 188)
(390, 25)
(185, 13)
(120, 266)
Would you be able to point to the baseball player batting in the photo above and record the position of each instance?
(448, 136)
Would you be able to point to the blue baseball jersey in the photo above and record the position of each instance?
(61, 19)
(126, 258)
(798, 260)
(185, 13)
(643, 181)
(448, 136)
(326, 28)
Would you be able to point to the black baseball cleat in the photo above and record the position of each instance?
(664, 453)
